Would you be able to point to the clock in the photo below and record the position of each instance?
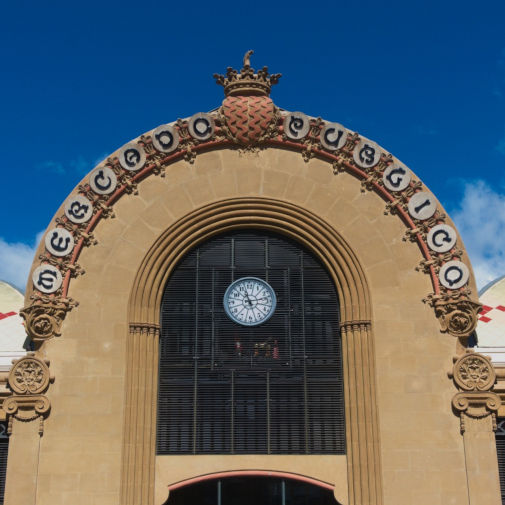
(249, 301)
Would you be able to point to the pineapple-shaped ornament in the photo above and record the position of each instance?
(248, 113)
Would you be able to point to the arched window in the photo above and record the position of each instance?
(251, 491)
(272, 387)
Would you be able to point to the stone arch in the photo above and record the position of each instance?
(248, 135)
(288, 476)
(247, 212)
(363, 455)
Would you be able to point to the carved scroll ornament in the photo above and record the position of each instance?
(458, 317)
(44, 317)
(476, 406)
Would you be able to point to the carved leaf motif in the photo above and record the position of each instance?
(474, 372)
(43, 320)
(458, 318)
(29, 375)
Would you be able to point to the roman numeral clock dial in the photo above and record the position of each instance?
(249, 301)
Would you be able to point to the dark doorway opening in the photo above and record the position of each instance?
(251, 491)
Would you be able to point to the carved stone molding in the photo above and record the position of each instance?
(28, 379)
(476, 406)
(29, 375)
(458, 317)
(145, 328)
(27, 408)
(473, 372)
(354, 325)
(43, 318)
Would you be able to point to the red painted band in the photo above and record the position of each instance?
(279, 141)
(250, 473)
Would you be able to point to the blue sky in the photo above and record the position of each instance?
(426, 80)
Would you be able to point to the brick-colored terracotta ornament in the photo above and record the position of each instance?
(248, 117)
(248, 113)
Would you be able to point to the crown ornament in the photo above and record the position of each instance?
(246, 82)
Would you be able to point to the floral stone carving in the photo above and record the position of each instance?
(43, 320)
(473, 372)
(458, 317)
(29, 375)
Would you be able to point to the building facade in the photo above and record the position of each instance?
(248, 301)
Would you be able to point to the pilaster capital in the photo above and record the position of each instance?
(355, 325)
(474, 375)
(28, 379)
(152, 329)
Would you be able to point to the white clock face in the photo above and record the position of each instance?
(249, 301)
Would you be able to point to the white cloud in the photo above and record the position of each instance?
(80, 166)
(480, 218)
(15, 261)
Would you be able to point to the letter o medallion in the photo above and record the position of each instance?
(454, 274)
(165, 138)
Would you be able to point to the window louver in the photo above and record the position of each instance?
(269, 389)
(500, 449)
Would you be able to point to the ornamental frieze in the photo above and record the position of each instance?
(248, 119)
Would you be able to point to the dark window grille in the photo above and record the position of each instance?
(269, 389)
(4, 451)
(500, 449)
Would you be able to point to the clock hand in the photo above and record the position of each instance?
(248, 299)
